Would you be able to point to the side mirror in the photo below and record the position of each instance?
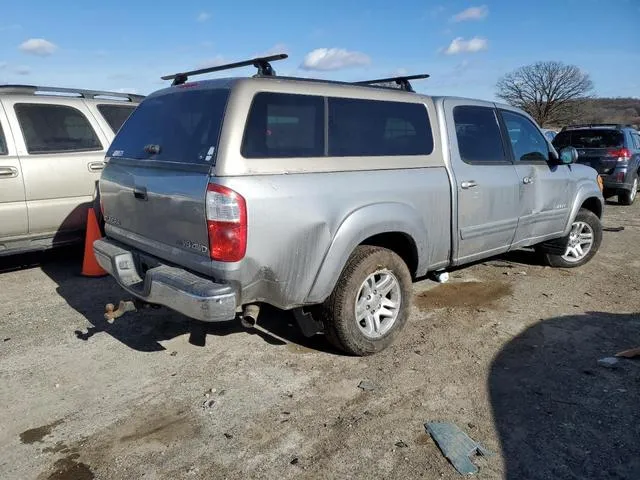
(568, 155)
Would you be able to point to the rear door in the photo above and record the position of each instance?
(154, 185)
(61, 151)
(544, 189)
(13, 207)
(596, 146)
(487, 187)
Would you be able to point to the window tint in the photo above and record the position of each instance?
(478, 134)
(593, 138)
(115, 115)
(375, 128)
(55, 128)
(183, 125)
(636, 139)
(3, 143)
(527, 143)
(284, 125)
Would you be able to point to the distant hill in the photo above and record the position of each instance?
(611, 110)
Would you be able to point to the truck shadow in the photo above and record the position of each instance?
(558, 412)
(144, 329)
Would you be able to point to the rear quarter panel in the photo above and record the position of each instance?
(295, 220)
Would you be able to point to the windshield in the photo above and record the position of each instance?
(589, 139)
(180, 126)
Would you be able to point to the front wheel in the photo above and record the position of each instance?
(582, 243)
(370, 303)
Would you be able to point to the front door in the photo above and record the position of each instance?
(486, 181)
(13, 207)
(544, 189)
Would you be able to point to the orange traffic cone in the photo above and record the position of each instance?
(90, 267)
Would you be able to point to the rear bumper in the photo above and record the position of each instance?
(175, 288)
(618, 179)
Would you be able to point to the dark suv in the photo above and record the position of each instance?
(613, 150)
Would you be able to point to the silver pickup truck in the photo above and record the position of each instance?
(328, 199)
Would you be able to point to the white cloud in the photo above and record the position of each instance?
(334, 59)
(132, 91)
(22, 70)
(3, 65)
(473, 45)
(203, 17)
(38, 46)
(471, 13)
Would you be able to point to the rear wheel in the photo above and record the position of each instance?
(627, 197)
(370, 303)
(582, 243)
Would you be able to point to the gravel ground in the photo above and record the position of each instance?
(508, 350)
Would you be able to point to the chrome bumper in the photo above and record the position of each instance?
(175, 288)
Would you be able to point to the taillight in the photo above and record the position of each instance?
(227, 224)
(622, 154)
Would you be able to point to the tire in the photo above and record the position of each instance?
(584, 217)
(627, 197)
(338, 312)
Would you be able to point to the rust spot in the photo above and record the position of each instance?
(463, 295)
(34, 435)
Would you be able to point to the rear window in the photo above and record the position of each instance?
(589, 139)
(378, 128)
(115, 115)
(182, 126)
(3, 143)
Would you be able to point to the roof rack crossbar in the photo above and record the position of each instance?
(402, 82)
(261, 63)
(593, 125)
(78, 92)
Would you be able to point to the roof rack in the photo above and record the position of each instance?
(261, 63)
(69, 92)
(595, 125)
(402, 82)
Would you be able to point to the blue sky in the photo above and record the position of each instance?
(466, 46)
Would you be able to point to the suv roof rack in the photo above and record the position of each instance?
(402, 82)
(596, 125)
(68, 92)
(261, 63)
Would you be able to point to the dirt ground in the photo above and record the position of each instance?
(508, 350)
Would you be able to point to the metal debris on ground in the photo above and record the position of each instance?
(441, 277)
(612, 229)
(401, 444)
(123, 307)
(367, 385)
(608, 362)
(209, 403)
(456, 445)
(631, 353)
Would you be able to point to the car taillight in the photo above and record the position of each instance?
(226, 223)
(622, 154)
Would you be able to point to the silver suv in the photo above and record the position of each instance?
(329, 198)
(52, 147)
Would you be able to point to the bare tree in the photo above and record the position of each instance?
(551, 92)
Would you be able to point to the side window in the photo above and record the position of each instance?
(3, 143)
(115, 115)
(55, 128)
(636, 139)
(284, 125)
(527, 143)
(478, 134)
(378, 128)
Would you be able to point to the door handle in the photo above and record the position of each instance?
(96, 166)
(8, 172)
(468, 184)
(527, 180)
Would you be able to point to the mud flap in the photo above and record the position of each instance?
(309, 326)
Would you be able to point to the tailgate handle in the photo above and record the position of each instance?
(140, 193)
